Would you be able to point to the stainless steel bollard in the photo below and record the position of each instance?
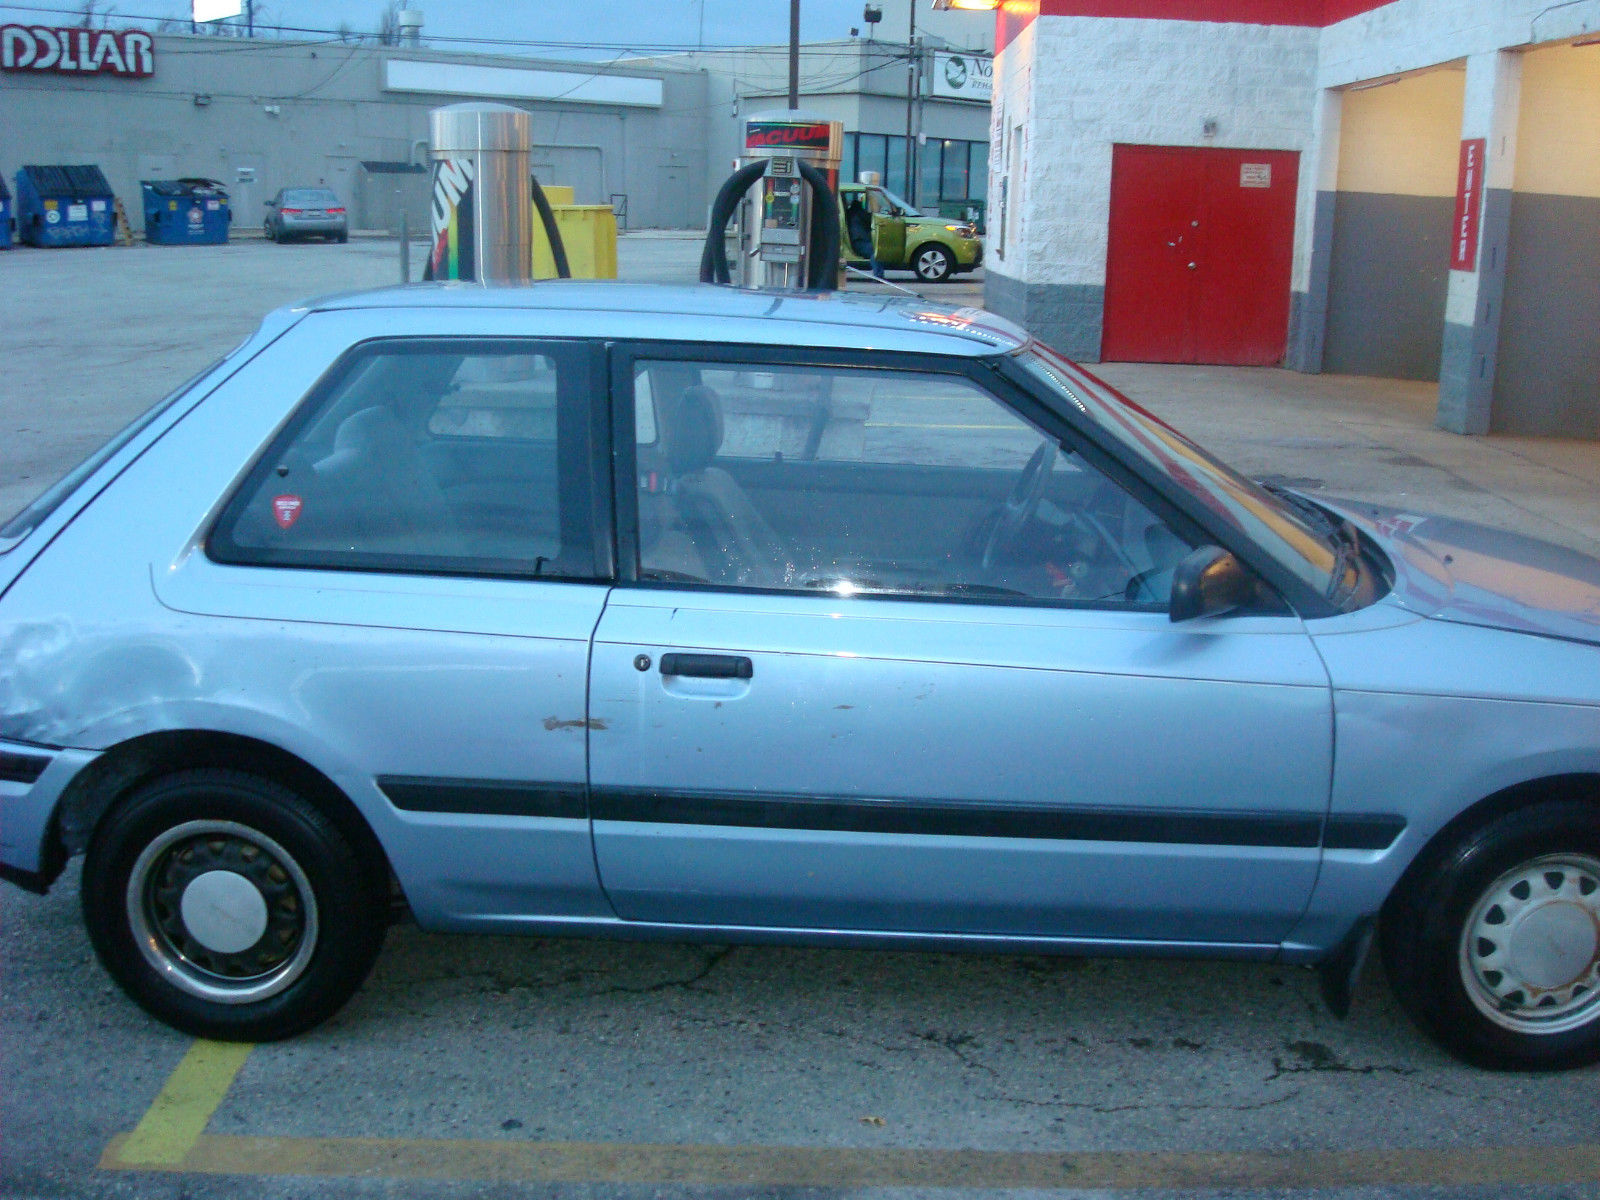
(482, 221)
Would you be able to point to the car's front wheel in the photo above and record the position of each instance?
(230, 906)
(933, 264)
(1494, 947)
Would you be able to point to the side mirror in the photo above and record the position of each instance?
(1208, 582)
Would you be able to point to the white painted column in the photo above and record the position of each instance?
(1472, 307)
(1319, 188)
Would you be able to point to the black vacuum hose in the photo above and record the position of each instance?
(714, 258)
(558, 248)
(823, 275)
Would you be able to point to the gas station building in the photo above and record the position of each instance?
(1407, 189)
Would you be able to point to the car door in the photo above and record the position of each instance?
(891, 654)
(888, 230)
(403, 588)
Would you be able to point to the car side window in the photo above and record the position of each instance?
(428, 456)
(860, 480)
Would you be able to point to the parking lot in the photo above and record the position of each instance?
(495, 1066)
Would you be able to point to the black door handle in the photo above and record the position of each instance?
(708, 666)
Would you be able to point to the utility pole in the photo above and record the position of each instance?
(913, 86)
(794, 54)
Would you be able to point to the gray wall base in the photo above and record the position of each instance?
(1469, 357)
(1068, 317)
(1465, 384)
(1389, 272)
(1547, 381)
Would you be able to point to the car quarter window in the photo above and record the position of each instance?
(434, 456)
(861, 479)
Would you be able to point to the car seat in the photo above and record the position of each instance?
(378, 493)
(729, 536)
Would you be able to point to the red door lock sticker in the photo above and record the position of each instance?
(286, 510)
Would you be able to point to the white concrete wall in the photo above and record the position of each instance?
(1010, 116)
(1410, 34)
(1092, 83)
(1080, 85)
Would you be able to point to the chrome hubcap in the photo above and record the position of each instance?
(222, 912)
(1530, 950)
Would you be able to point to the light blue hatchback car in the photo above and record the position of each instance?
(702, 614)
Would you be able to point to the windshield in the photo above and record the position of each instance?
(1296, 535)
(310, 196)
(895, 205)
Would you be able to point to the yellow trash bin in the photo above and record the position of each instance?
(589, 233)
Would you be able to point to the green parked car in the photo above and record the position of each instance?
(874, 221)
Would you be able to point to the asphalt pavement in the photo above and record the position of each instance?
(506, 1067)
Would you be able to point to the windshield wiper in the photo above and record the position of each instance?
(1313, 512)
(1346, 556)
(1341, 536)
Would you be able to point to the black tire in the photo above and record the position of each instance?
(932, 263)
(343, 237)
(1521, 999)
(319, 912)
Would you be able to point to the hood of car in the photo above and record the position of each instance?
(1473, 574)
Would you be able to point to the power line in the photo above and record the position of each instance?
(621, 49)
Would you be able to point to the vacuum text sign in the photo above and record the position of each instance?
(128, 52)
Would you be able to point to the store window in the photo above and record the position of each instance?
(953, 175)
(894, 173)
(947, 169)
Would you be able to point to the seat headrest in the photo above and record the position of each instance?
(367, 436)
(692, 431)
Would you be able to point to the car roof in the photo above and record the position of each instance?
(728, 314)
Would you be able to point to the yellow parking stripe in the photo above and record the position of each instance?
(823, 1166)
(174, 1123)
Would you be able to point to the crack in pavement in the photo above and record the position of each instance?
(1110, 1109)
(713, 961)
(1315, 1058)
(954, 1042)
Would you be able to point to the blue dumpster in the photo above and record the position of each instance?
(65, 206)
(5, 216)
(185, 212)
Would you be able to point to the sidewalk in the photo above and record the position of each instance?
(1374, 439)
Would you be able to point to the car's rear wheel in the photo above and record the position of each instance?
(231, 907)
(933, 263)
(343, 237)
(1494, 947)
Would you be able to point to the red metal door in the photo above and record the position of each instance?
(1199, 256)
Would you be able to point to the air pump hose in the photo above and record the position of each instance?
(714, 258)
(823, 275)
(558, 248)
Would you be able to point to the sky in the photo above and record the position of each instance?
(596, 29)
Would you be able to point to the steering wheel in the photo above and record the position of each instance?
(1018, 508)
